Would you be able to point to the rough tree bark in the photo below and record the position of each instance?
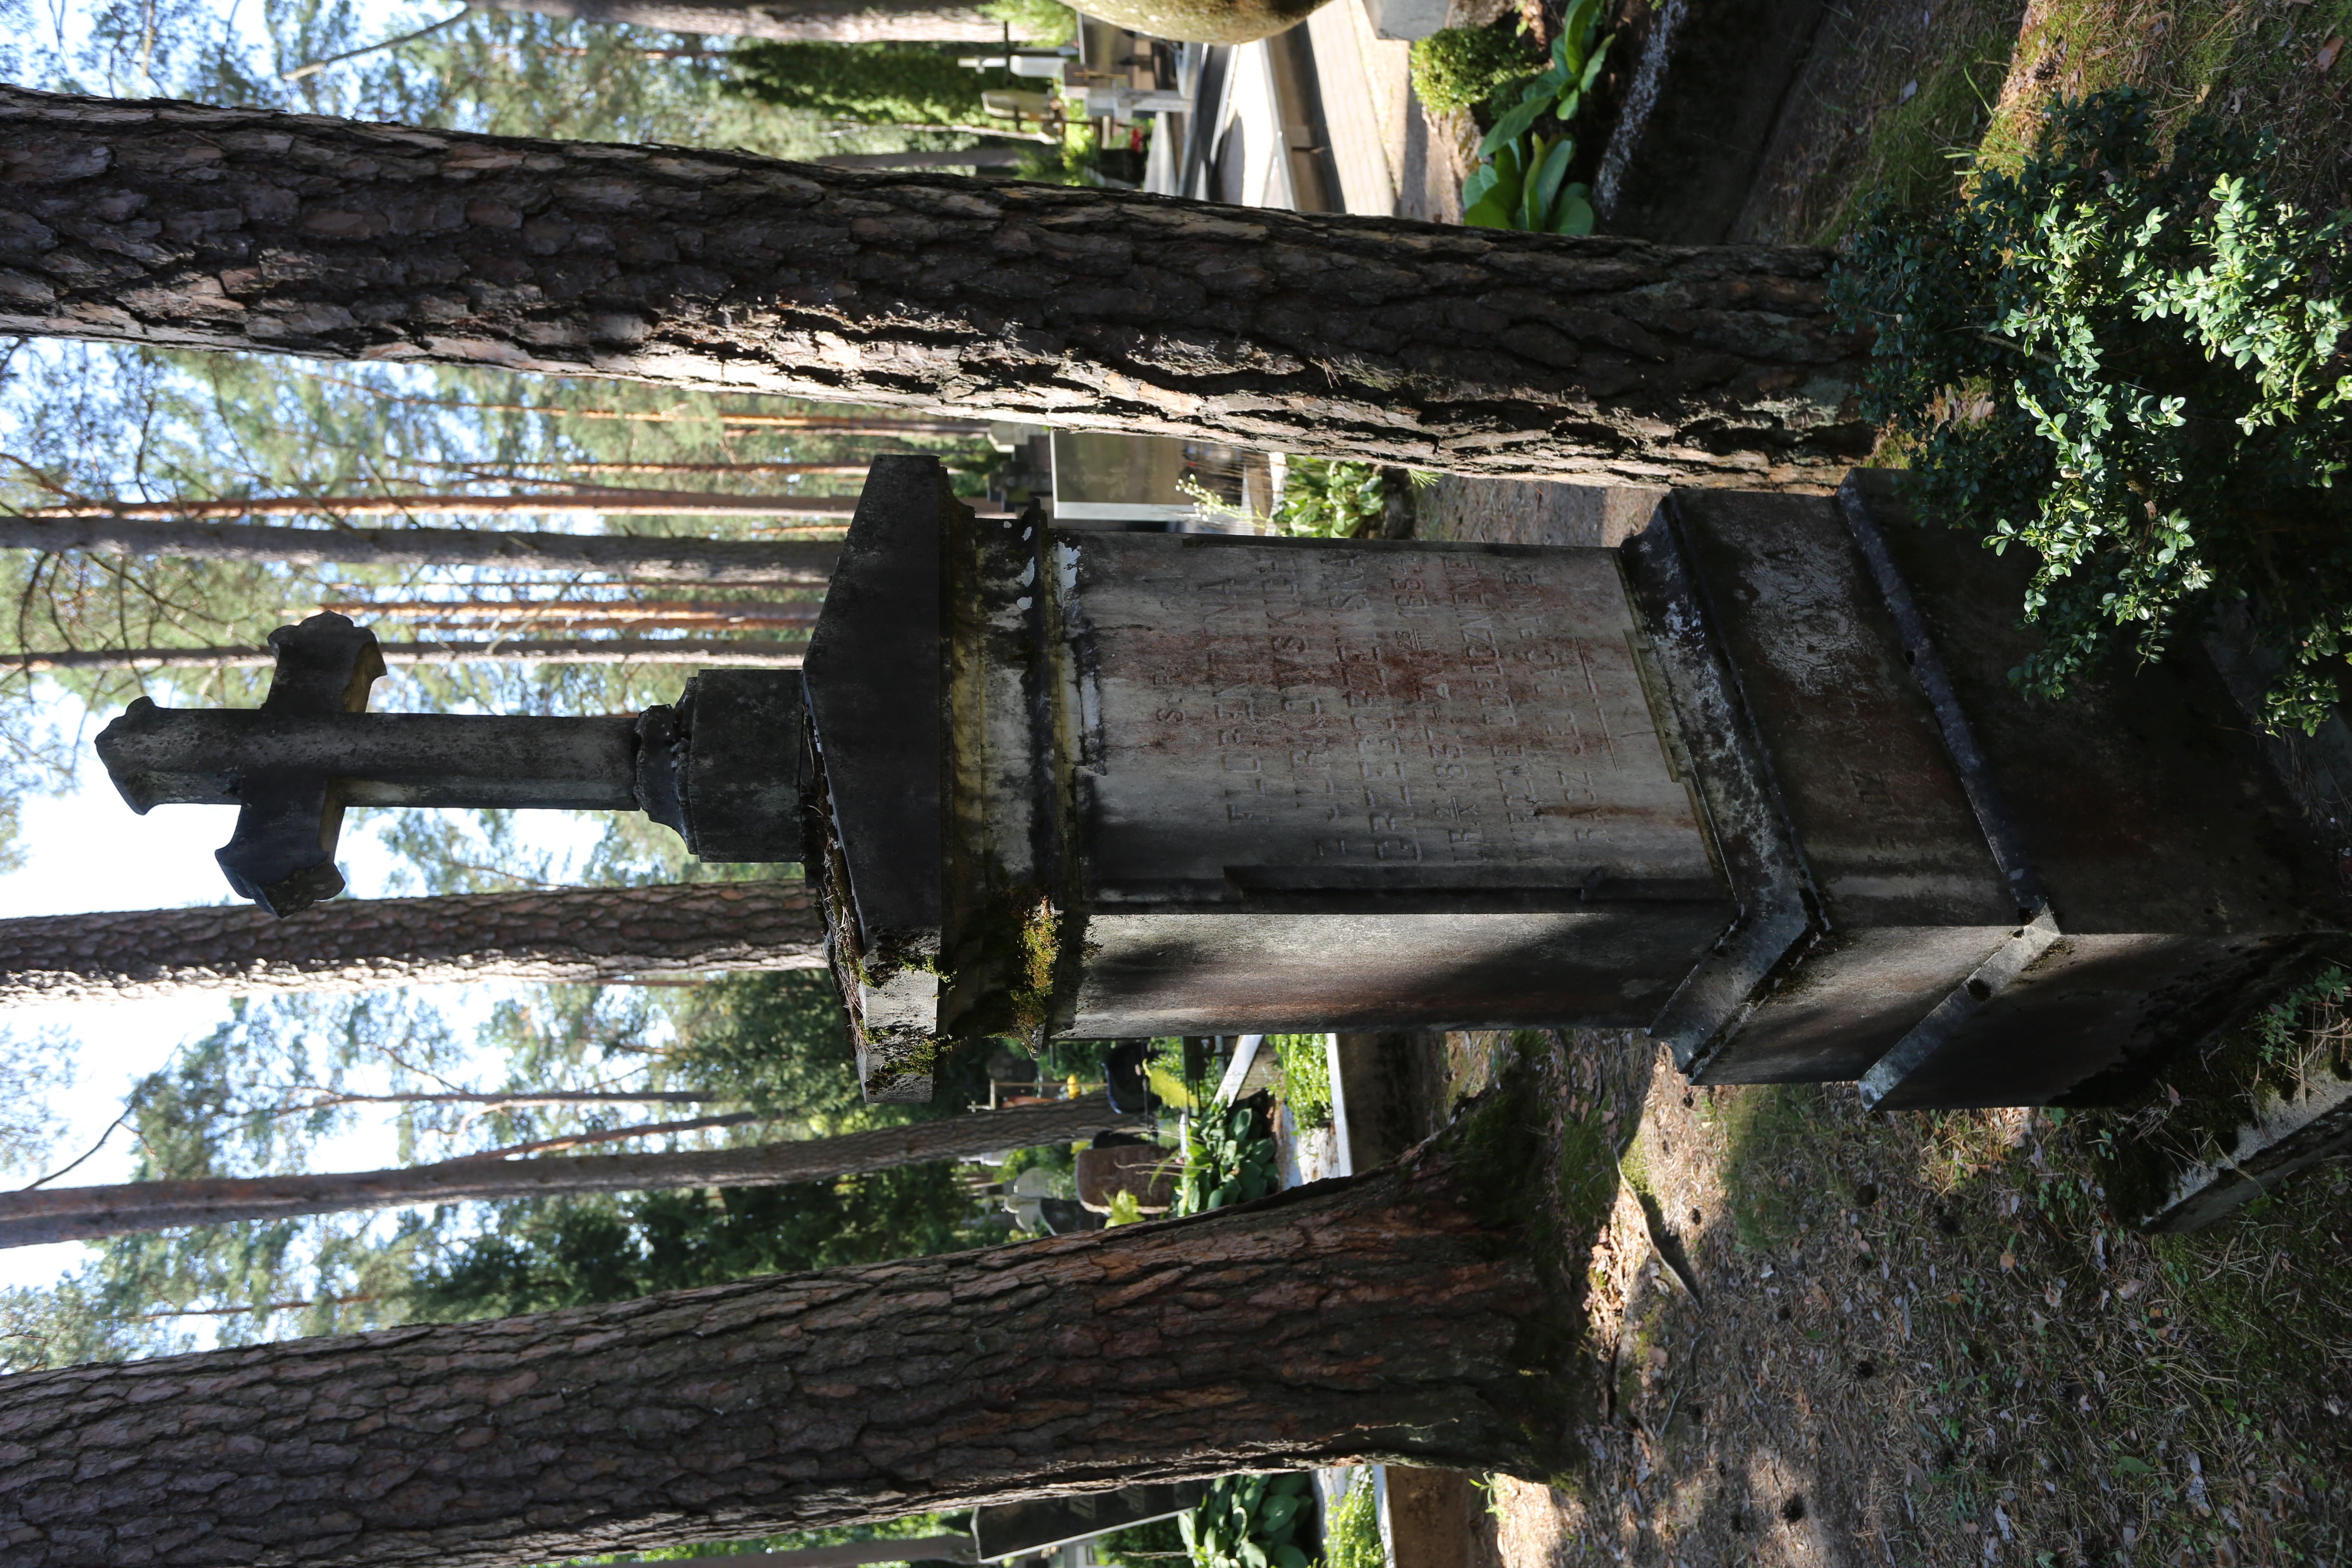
(763, 655)
(1474, 350)
(362, 944)
(968, 158)
(499, 1100)
(648, 558)
(1396, 1316)
(81, 1213)
(812, 21)
(607, 503)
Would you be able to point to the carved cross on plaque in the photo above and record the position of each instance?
(723, 766)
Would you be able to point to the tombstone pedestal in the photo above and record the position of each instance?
(1209, 784)
(1755, 783)
(1985, 900)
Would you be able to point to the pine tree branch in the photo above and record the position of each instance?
(765, 655)
(314, 67)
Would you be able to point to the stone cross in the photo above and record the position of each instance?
(722, 766)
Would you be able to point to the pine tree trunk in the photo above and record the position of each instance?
(1396, 1316)
(828, 470)
(613, 502)
(650, 558)
(877, 426)
(970, 158)
(588, 615)
(364, 944)
(1473, 350)
(810, 21)
(760, 654)
(500, 1099)
(84, 1214)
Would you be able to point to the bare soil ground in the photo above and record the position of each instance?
(1849, 1338)
(1889, 92)
(1846, 1339)
(1898, 97)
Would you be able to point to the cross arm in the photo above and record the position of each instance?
(169, 756)
(724, 766)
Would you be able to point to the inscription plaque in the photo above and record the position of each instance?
(1271, 715)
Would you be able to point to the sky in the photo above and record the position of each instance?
(87, 851)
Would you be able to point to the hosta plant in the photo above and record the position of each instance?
(1228, 1157)
(1523, 182)
(1577, 52)
(1250, 1522)
(1525, 185)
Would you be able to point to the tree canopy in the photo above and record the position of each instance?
(778, 1043)
(260, 1096)
(880, 84)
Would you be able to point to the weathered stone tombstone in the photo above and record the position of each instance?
(1755, 783)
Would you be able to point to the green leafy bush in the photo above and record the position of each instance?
(879, 84)
(1228, 1158)
(1250, 1522)
(1328, 497)
(1351, 1536)
(1306, 1078)
(1457, 68)
(2132, 364)
(1322, 497)
(1142, 1546)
